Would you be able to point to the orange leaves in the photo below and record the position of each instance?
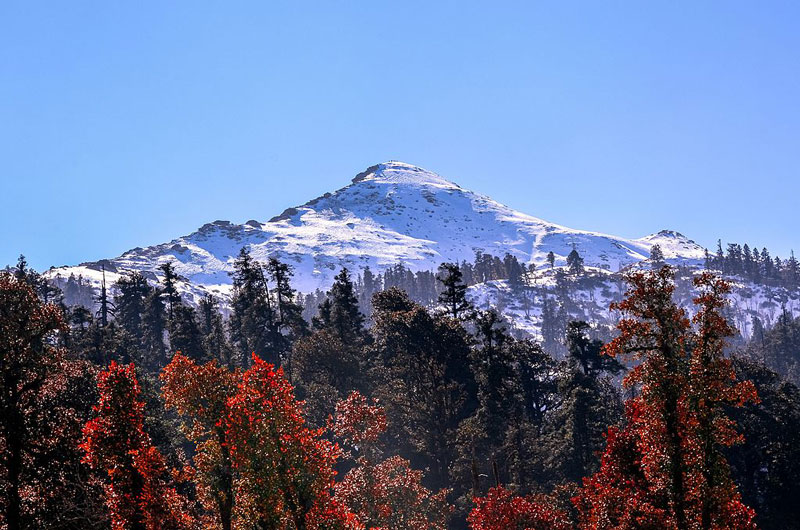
(138, 491)
(386, 495)
(358, 422)
(501, 510)
(664, 469)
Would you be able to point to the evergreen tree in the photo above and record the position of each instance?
(589, 405)
(423, 379)
(153, 327)
(340, 312)
(185, 335)
(212, 328)
(454, 294)
(656, 257)
(575, 262)
(252, 317)
(551, 259)
(129, 303)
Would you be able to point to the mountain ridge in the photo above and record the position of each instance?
(392, 212)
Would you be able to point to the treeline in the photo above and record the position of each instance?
(755, 265)
(151, 413)
(423, 286)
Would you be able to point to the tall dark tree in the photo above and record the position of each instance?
(340, 312)
(424, 379)
(129, 303)
(252, 316)
(454, 294)
(212, 328)
(656, 257)
(170, 287)
(587, 352)
(589, 405)
(153, 327)
(766, 465)
(575, 262)
(288, 324)
(185, 335)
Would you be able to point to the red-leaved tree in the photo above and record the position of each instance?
(384, 494)
(501, 510)
(285, 470)
(200, 394)
(138, 491)
(664, 467)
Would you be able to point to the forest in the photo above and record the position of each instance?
(141, 411)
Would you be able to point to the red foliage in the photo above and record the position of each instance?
(357, 422)
(285, 469)
(200, 393)
(389, 494)
(138, 493)
(501, 510)
(664, 468)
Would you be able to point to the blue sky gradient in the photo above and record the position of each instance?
(127, 124)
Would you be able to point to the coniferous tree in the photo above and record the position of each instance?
(153, 326)
(454, 294)
(575, 262)
(252, 318)
(212, 329)
(656, 257)
(185, 335)
(288, 324)
(424, 380)
(340, 313)
(589, 405)
(170, 289)
(129, 303)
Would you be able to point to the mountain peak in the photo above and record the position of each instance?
(397, 172)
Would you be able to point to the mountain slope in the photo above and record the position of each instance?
(391, 213)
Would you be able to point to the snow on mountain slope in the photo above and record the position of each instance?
(390, 213)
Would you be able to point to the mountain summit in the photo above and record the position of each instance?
(390, 213)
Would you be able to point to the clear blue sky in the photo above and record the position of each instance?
(125, 124)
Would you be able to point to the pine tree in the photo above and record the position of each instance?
(340, 312)
(170, 289)
(106, 309)
(424, 379)
(132, 291)
(252, 317)
(589, 404)
(575, 262)
(212, 328)
(656, 256)
(185, 335)
(551, 259)
(454, 295)
(153, 327)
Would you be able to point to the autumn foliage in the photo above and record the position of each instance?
(200, 393)
(664, 467)
(139, 495)
(384, 494)
(501, 510)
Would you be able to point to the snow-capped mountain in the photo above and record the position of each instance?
(390, 213)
